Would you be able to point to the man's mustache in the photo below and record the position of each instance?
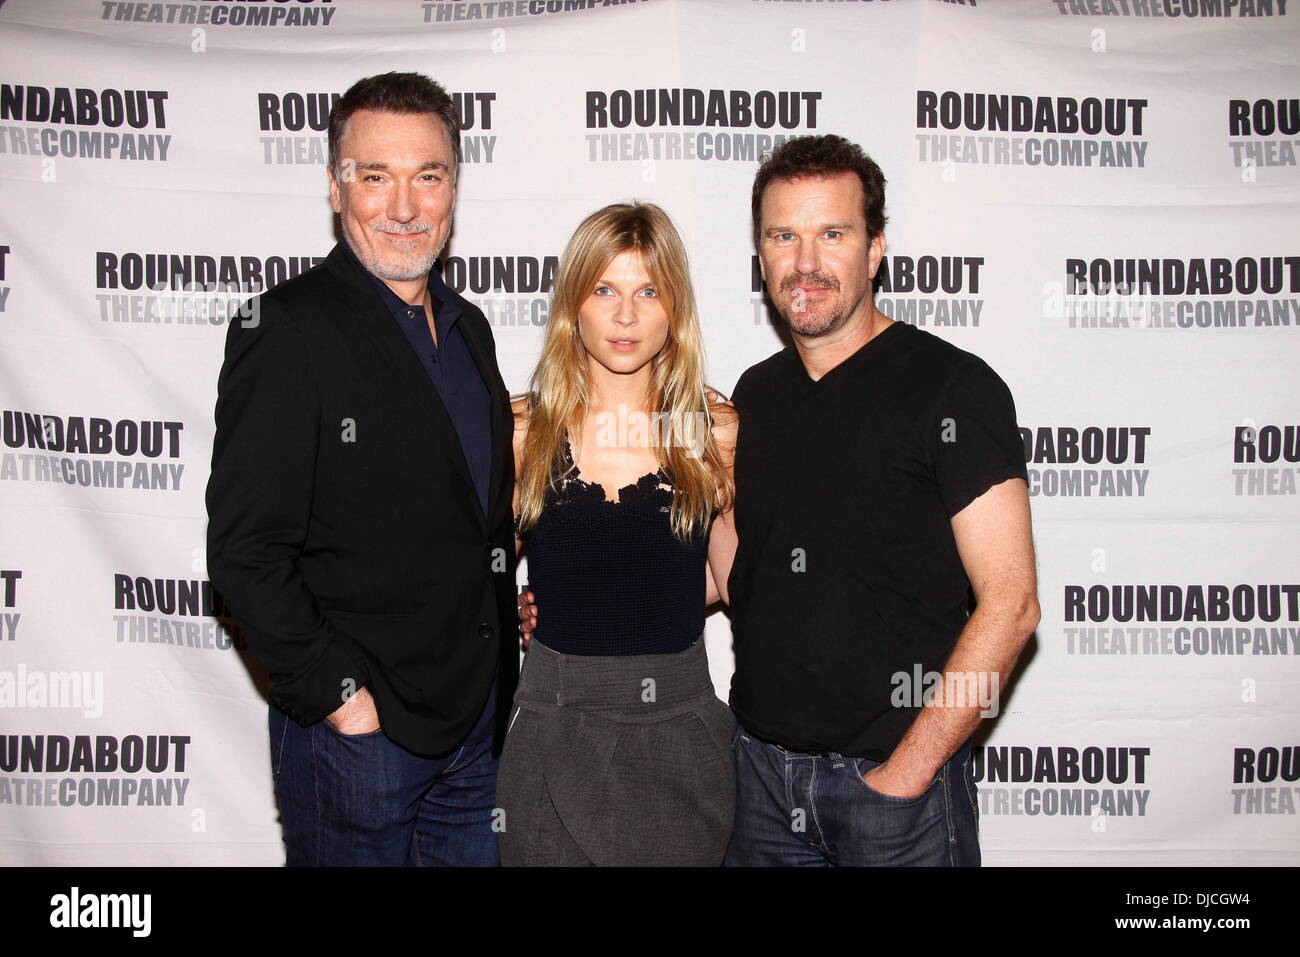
(820, 279)
(404, 228)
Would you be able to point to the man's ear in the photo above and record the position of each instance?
(875, 252)
(335, 195)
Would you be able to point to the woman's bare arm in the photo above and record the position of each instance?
(520, 409)
(722, 534)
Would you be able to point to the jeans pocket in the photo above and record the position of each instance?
(329, 727)
(860, 766)
(899, 831)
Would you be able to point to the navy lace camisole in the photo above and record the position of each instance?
(610, 578)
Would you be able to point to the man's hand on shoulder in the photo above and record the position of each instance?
(716, 399)
(726, 426)
(356, 716)
(725, 420)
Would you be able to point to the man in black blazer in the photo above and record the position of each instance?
(360, 521)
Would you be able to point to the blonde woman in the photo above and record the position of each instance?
(618, 750)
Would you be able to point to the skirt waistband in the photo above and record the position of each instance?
(618, 681)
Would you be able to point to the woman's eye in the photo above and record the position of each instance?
(603, 291)
(650, 293)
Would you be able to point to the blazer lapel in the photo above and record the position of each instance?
(374, 320)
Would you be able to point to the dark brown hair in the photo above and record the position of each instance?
(401, 93)
(819, 156)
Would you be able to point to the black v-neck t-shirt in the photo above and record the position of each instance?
(847, 572)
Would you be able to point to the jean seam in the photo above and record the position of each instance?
(453, 767)
(279, 757)
(951, 817)
(812, 808)
(786, 776)
(415, 829)
(969, 782)
(315, 785)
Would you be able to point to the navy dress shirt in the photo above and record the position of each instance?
(451, 369)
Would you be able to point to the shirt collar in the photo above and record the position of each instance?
(446, 310)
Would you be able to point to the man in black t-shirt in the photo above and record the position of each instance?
(879, 478)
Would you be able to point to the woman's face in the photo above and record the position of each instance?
(622, 322)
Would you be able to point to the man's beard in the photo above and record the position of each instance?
(397, 266)
(802, 321)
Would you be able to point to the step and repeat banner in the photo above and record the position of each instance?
(1099, 197)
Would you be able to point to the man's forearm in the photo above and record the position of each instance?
(980, 663)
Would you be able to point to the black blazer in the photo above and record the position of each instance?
(343, 527)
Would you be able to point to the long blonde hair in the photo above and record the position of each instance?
(559, 390)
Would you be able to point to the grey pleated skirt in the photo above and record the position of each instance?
(616, 760)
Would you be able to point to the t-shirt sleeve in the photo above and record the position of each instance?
(974, 439)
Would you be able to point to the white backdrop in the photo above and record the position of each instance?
(1024, 143)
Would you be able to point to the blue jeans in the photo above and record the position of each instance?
(360, 799)
(802, 809)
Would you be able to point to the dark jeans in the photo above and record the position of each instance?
(801, 809)
(361, 799)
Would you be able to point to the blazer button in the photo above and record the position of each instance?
(484, 630)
